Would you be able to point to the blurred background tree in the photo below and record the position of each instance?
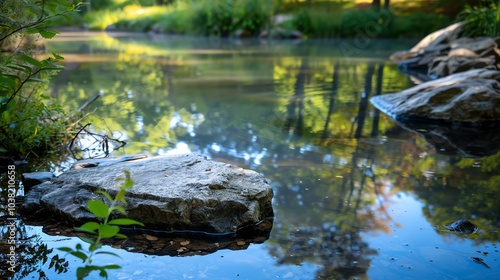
(278, 18)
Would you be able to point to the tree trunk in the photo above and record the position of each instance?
(387, 4)
(376, 4)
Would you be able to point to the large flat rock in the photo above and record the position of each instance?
(182, 192)
(468, 98)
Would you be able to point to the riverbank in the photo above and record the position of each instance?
(250, 18)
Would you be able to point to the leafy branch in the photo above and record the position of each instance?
(40, 24)
(103, 230)
(11, 84)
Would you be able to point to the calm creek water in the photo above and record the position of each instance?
(356, 196)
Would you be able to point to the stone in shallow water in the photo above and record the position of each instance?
(462, 227)
(469, 98)
(183, 192)
(35, 178)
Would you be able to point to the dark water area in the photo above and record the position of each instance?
(356, 195)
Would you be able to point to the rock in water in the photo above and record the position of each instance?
(471, 97)
(182, 192)
(462, 227)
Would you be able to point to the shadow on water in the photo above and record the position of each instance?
(356, 195)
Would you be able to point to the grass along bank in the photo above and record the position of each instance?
(318, 19)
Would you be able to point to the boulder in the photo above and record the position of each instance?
(446, 65)
(468, 98)
(444, 52)
(440, 37)
(182, 192)
(431, 46)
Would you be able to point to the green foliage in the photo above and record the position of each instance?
(213, 17)
(101, 19)
(252, 15)
(481, 20)
(303, 21)
(415, 25)
(30, 123)
(204, 17)
(368, 23)
(102, 230)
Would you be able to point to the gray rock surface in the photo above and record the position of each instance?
(183, 192)
(444, 52)
(471, 97)
(35, 178)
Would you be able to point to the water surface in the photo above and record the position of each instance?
(356, 196)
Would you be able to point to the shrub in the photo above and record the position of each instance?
(30, 123)
(481, 20)
(213, 17)
(303, 22)
(252, 15)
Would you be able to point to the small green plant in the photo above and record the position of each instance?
(105, 229)
(482, 20)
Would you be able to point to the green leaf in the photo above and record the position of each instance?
(120, 196)
(84, 230)
(57, 56)
(108, 231)
(111, 266)
(83, 272)
(108, 253)
(36, 80)
(120, 209)
(98, 208)
(124, 222)
(48, 34)
(12, 81)
(68, 19)
(95, 246)
(128, 184)
(89, 227)
(53, 67)
(79, 255)
(106, 195)
(30, 60)
(65, 249)
(119, 235)
(20, 67)
(103, 273)
(87, 240)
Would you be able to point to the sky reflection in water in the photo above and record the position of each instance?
(356, 196)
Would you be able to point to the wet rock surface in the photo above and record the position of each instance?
(184, 192)
(445, 52)
(35, 178)
(470, 98)
(459, 112)
(462, 227)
